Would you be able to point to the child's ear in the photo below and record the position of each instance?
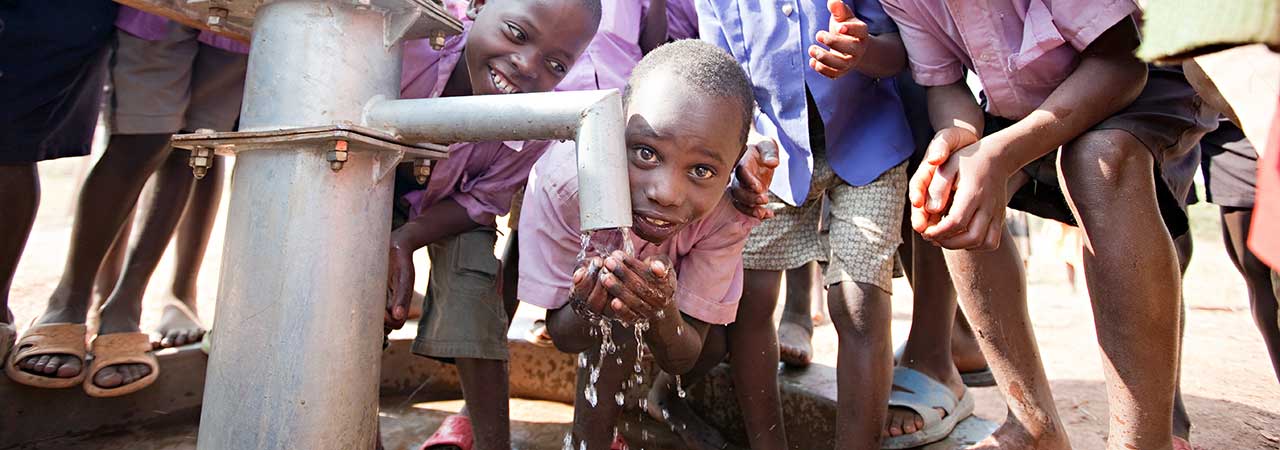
(473, 10)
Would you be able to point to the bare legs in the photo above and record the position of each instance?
(107, 199)
(864, 369)
(19, 198)
(795, 333)
(1257, 277)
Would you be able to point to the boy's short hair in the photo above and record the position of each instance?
(702, 66)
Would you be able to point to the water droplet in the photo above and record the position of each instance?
(590, 393)
(665, 414)
(679, 388)
(619, 398)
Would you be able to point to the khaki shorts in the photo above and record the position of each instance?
(864, 226)
(174, 84)
(462, 313)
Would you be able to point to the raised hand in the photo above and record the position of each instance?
(750, 187)
(846, 38)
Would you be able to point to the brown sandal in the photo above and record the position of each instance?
(47, 339)
(116, 349)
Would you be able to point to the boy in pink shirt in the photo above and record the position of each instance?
(1057, 74)
(686, 271)
(512, 46)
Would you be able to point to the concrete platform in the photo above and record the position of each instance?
(417, 394)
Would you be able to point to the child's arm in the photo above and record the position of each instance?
(1107, 79)
(956, 115)
(444, 219)
(654, 30)
(646, 290)
(852, 47)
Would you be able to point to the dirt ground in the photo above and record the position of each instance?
(1230, 390)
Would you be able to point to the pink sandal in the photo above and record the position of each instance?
(454, 431)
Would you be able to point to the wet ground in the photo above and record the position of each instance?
(1231, 392)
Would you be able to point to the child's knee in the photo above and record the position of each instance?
(1102, 161)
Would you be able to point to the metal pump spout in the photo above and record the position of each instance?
(593, 119)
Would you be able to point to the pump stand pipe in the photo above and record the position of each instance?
(593, 119)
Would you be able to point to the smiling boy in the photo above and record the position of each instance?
(507, 46)
(688, 106)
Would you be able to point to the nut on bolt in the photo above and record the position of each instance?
(437, 39)
(422, 170)
(200, 161)
(338, 156)
(217, 18)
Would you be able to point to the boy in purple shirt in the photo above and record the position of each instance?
(1078, 130)
(684, 277)
(512, 46)
(167, 78)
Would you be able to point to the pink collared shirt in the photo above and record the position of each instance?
(481, 176)
(706, 254)
(152, 27)
(615, 49)
(1020, 49)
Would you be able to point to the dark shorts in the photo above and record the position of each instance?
(53, 70)
(1168, 118)
(1230, 167)
(462, 313)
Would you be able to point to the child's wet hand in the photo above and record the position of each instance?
(640, 289)
(400, 273)
(750, 188)
(846, 40)
(586, 289)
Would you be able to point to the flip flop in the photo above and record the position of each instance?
(48, 339)
(455, 431)
(120, 348)
(1181, 444)
(975, 378)
(926, 397)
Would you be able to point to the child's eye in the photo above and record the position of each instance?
(646, 154)
(516, 32)
(703, 172)
(556, 66)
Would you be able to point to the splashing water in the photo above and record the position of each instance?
(679, 387)
(620, 398)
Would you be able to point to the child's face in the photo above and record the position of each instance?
(525, 45)
(681, 154)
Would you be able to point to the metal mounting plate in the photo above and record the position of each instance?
(235, 17)
(358, 139)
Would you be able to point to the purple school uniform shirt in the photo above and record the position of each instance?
(706, 254)
(615, 50)
(866, 128)
(1020, 49)
(152, 27)
(481, 176)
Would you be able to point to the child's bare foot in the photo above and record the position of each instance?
(1012, 435)
(795, 336)
(178, 326)
(668, 408)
